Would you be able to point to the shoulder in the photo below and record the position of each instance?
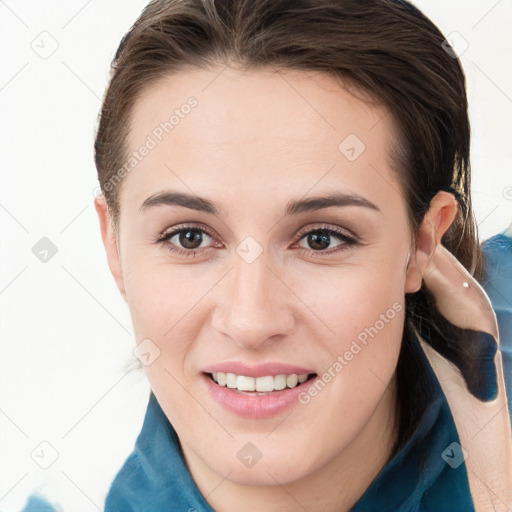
(497, 282)
(497, 252)
(130, 483)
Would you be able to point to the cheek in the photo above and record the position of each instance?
(164, 309)
(365, 310)
(355, 298)
(165, 306)
(166, 300)
(158, 293)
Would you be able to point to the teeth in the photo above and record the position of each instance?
(279, 382)
(221, 379)
(265, 384)
(292, 380)
(230, 380)
(245, 383)
(303, 378)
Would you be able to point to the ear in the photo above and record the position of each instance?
(437, 220)
(110, 243)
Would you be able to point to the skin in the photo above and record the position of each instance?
(256, 141)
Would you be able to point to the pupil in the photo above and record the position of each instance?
(192, 239)
(319, 242)
(189, 238)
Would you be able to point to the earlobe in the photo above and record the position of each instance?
(440, 216)
(110, 243)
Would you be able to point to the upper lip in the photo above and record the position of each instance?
(260, 370)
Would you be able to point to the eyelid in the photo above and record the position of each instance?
(344, 234)
(168, 233)
(165, 234)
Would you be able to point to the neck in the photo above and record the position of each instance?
(335, 487)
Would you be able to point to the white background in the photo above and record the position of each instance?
(66, 335)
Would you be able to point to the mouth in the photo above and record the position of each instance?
(257, 391)
(257, 386)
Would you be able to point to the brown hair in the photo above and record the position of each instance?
(386, 48)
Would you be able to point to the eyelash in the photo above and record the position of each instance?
(165, 237)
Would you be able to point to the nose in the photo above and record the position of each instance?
(255, 307)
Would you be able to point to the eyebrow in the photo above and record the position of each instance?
(201, 204)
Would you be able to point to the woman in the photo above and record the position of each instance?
(287, 214)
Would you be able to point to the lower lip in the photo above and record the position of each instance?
(253, 405)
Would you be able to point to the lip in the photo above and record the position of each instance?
(261, 370)
(248, 405)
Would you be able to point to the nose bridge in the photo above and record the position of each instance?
(251, 283)
(253, 307)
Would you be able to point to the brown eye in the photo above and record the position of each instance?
(320, 240)
(190, 238)
(187, 240)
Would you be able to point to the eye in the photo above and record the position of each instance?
(192, 240)
(320, 241)
(186, 240)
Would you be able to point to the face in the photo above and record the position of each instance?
(265, 234)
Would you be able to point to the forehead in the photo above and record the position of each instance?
(258, 130)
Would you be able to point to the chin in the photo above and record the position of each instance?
(269, 473)
(266, 467)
